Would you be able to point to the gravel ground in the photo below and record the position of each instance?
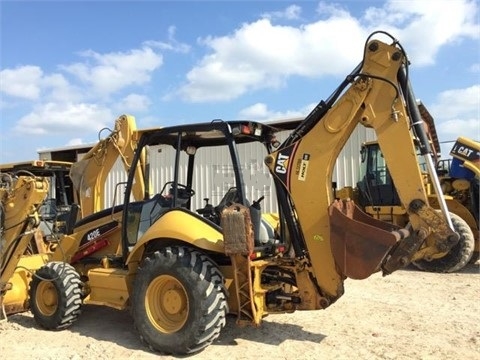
(406, 315)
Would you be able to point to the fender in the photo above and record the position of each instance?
(183, 226)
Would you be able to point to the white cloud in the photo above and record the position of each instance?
(133, 103)
(460, 127)
(262, 54)
(53, 118)
(56, 88)
(75, 142)
(475, 68)
(326, 10)
(458, 103)
(149, 121)
(457, 113)
(291, 12)
(115, 71)
(22, 82)
(172, 44)
(260, 111)
(424, 28)
(64, 106)
(31, 83)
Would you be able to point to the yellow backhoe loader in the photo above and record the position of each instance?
(181, 270)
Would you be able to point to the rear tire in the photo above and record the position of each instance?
(179, 301)
(458, 256)
(55, 295)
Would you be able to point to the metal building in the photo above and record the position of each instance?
(214, 174)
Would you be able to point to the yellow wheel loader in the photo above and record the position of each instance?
(181, 270)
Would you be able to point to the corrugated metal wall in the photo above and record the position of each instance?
(214, 173)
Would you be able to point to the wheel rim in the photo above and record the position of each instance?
(46, 298)
(166, 304)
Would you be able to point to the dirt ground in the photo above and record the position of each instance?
(406, 315)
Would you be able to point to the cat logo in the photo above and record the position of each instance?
(464, 152)
(282, 164)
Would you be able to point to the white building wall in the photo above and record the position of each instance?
(214, 174)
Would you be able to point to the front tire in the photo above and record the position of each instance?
(179, 301)
(55, 295)
(458, 256)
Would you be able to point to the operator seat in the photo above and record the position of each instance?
(228, 199)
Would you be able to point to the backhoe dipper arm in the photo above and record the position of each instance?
(341, 241)
(90, 173)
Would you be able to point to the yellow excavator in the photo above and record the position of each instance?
(180, 271)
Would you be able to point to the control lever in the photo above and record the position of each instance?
(207, 210)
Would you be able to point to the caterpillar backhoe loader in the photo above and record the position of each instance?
(181, 270)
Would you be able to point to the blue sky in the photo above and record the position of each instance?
(68, 69)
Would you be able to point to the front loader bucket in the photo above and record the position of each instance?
(359, 242)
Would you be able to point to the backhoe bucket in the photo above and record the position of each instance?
(359, 242)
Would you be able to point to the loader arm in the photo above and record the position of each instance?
(340, 241)
(20, 199)
(90, 173)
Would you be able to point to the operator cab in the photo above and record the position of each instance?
(376, 186)
(173, 154)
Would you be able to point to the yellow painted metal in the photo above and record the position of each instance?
(166, 303)
(90, 173)
(21, 218)
(470, 162)
(396, 215)
(109, 287)
(373, 101)
(180, 225)
(370, 102)
(228, 273)
(46, 298)
(16, 298)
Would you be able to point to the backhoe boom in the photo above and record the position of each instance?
(342, 242)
